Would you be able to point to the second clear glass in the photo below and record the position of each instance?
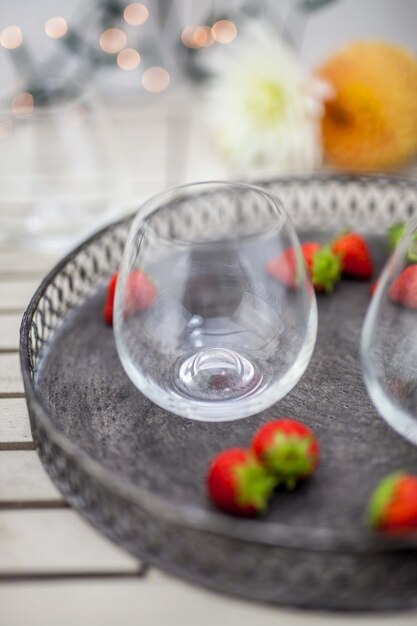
(389, 339)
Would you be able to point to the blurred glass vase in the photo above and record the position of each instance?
(60, 170)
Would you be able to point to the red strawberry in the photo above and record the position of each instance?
(108, 304)
(140, 294)
(283, 267)
(323, 266)
(287, 448)
(404, 288)
(393, 504)
(237, 483)
(355, 255)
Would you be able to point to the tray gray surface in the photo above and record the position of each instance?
(94, 403)
(145, 486)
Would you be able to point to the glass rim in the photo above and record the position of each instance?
(161, 200)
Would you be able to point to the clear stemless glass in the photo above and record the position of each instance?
(389, 339)
(200, 326)
(60, 173)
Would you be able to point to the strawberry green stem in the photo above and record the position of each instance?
(326, 268)
(289, 458)
(395, 234)
(254, 485)
(381, 497)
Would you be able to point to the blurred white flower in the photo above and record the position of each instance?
(264, 106)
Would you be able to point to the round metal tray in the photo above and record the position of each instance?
(137, 472)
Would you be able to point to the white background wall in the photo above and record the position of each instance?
(329, 28)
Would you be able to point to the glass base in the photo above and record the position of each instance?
(216, 374)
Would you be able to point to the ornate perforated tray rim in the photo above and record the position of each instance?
(86, 267)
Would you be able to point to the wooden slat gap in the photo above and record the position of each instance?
(13, 505)
(8, 350)
(17, 445)
(6, 395)
(53, 576)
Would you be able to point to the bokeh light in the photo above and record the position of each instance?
(155, 79)
(203, 37)
(136, 14)
(113, 40)
(11, 37)
(197, 36)
(56, 27)
(187, 36)
(224, 31)
(22, 104)
(128, 59)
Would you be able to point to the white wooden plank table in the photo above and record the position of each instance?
(55, 569)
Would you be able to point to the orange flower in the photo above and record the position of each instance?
(371, 122)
